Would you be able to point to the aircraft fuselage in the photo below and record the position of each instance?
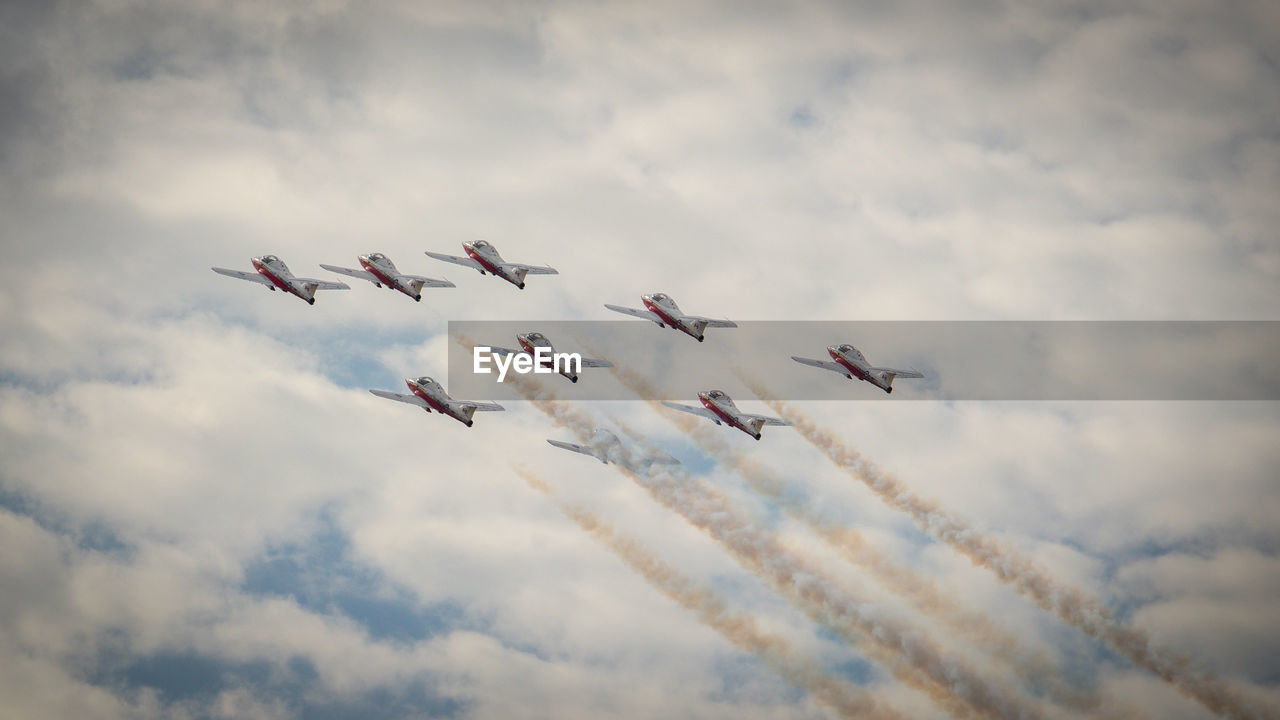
(728, 413)
(530, 345)
(387, 274)
(280, 276)
(667, 309)
(437, 399)
(489, 259)
(858, 366)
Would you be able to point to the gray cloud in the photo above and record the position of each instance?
(171, 437)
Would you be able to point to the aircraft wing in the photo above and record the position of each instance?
(636, 312)
(693, 410)
(481, 406)
(361, 274)
(591, 362)
(576, 448)
(900, 373)
(463, 261)
(323, 284)
(711, 322)
(533, 269)
(833, 367)
(427, 282)
(250, 276)
(766, 419)
(410, 399)
(505, 351)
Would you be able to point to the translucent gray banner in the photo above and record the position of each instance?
(1132, 360)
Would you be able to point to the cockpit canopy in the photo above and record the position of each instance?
(270, 259)
(377, 256)
(480, 244)
(534, 336)
(846, 348)
(424, 380)
(659, 297)
(717, 395)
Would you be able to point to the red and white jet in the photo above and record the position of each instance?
(606, 447)
(272, 272)
(529, 344)
(718, 407)
(661, 309)
(379, 270)
(851, 363)
(484, 257)
(429, 395)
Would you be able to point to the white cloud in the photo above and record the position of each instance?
(167, 427)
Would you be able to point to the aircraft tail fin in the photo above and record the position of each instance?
(890, 373)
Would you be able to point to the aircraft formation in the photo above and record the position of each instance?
(659, 308)
(769, 560)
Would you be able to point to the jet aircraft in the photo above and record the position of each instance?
(484, 257)
(529, 344)
(429, 395)
(606, 447)
(272, 272)
(718, 407)
(851, 363)
(379, 270)
(661, 309)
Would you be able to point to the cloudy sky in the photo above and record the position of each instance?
(203, 513)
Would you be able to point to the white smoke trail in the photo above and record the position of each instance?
(1070, 604)
(905, 652)
(740, 629)
(921, 592)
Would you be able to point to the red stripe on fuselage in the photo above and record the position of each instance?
(275, 280)
(532, 351)
(726, 417)
(670, 321)
(857, 372)
(383, 277)
(487, 265)
(434, 404)
(548, 363)
(853, 369)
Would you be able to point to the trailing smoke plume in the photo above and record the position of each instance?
(740, 629)
(920, 591)
(1072, 605)
(911, 657)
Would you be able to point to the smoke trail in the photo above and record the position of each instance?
(740, 629)
(925, 595)
(913, 659)
(1072, 605)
